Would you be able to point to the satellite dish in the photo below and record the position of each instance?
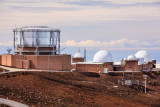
(9, 50)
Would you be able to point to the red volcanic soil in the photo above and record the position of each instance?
(75, 89)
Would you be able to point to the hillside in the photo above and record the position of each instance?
(73, 89)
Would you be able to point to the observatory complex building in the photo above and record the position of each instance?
(103, 63)
(37, 47)
(36, 40)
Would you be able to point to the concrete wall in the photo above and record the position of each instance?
(94, 67)
(66, 62)
(23, 64)
(149, 65)
(140, 67)
(89, 67)
(41, 62)
(6, 60)
(108, 65)
(118, 68)
(131, 65)
(74, 60)
(49, 62)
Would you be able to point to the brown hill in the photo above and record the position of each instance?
(75, 89)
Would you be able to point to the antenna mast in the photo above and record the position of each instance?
(84, 54)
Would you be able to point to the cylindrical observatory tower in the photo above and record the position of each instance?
(36, 40)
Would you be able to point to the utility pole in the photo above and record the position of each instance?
(84, 54)
(145, 82)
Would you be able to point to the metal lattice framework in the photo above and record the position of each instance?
(37, 36)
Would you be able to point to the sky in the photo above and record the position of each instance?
(111, 24)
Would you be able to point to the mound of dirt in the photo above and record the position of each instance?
(75, 89)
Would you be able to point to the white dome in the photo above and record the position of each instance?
(77, 55)
(141, 61)
(145, 55)
(131, 57)
(103, 56)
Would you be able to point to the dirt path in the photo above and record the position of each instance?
(9, 69)
(11, 103)
(17, 69)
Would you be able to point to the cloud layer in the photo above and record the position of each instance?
(123, 43)
(85, 19)
(7, 43)
(77, 11)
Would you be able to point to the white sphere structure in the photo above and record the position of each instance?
(141, 61)
(131, 57)
(77, 55)
(144, 55)
(103, 56)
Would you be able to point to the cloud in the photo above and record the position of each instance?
(132, 1)
(121, 43)
(44, 12)
(19, 13)
(8, 43)
(70, 43)
(157, 42)
(41, 9)
(114, 3)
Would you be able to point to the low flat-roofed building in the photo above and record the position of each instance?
(41, 62)
(37, 47)
(94, 67)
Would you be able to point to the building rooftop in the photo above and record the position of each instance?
(36, 28)
(86, 63)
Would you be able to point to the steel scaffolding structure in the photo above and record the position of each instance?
(36, 37)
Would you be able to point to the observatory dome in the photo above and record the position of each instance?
(141, 61)
(103, 56)
(78, 55)
(131, 57)
(144, 55)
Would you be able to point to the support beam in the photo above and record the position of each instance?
(50, 39)
(58, 42)
(53, 49)
(14, 40)
(20, 51)
(37, 53)
(23, 38)
(20, 38)
(52, 44)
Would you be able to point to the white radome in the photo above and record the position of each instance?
(144, 55)
(131, 57)
(103, 56)
(77, 55)
(141, 61)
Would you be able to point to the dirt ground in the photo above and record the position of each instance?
(79, 89)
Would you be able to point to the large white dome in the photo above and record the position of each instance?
(103, 56)
(77, 55)
(131, 57)
(144, 55)
(141, 61)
